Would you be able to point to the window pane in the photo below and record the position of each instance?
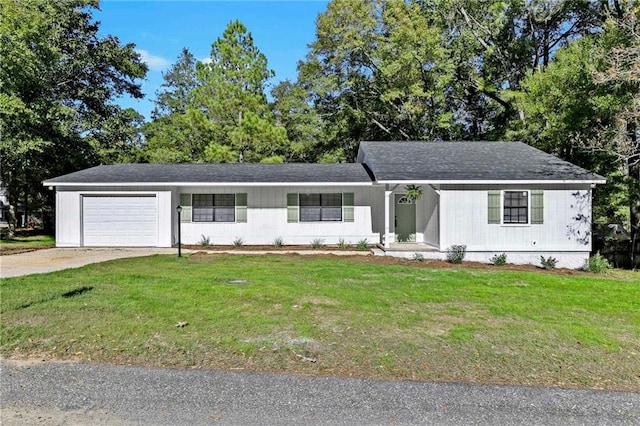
(515, 207)
(203, 200)
(224, 200)
(202, 214)
(309, 214)
(225, 214)
(333, 200)
(309, 199)
(332, 213)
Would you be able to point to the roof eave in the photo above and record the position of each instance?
(262, 184)
(490, 181)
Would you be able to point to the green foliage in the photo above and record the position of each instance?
(418, 257)
(238, 242)
(58, 81)
(549, 262)
(278, 242)
(499, 259)
(597, 263)
(205, 241)
(456, 253)
(413, 192)
(342, 244)
(216, 110)
(317, 243)
(362, 245)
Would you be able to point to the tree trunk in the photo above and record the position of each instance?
(634, 214)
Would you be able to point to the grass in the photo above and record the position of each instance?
(326, 315)
(26, 242)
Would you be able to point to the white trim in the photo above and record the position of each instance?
(205, 184)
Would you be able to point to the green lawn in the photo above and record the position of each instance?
(334, 316)
(26, 242)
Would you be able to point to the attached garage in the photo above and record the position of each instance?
(119, 221)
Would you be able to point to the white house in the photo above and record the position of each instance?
(493, 197)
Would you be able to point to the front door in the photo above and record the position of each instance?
(405, 219)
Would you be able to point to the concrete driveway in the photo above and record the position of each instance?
(57, 259)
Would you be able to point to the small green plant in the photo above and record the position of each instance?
(238, 242)
(548, 263)
(499, 259)
(597, 263)
(456, 253)
(278, 242)
(205, 241)
(318, 243)
(363, 245)
(342, 244)
(413, 192)
(418, 257)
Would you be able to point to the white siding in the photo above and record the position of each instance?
(267, 218)
(67, 219)
(463, 220)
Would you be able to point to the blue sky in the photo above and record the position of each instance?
(160, 29)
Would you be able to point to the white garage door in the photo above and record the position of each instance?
(120, 221)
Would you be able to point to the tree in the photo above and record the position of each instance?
(378, 71)
(57, 84)
(231, 98)
(217, 110)
(616, 72)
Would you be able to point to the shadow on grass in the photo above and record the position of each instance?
(66, 295)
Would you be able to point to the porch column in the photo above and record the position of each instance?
(387, 209)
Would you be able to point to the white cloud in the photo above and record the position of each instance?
(155, 63)
(206, 60)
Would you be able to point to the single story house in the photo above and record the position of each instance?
(492, 197)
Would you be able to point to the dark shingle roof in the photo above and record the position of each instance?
(468, 161)
(216, 173)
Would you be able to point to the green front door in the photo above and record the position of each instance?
(405, 219)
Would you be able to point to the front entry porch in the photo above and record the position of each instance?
(411, 225)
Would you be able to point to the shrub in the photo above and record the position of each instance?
(499, 259)
(205, 241)
(363, 245)
(342, 244)
(549, 262)
(455, 253)
(238, 242)
(597, 263)
(318, 243)
(278, 242)
(418, 257)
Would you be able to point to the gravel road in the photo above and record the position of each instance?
(48, 393)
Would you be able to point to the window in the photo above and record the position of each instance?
(214, 208)
(320, 207)
(515, 207)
